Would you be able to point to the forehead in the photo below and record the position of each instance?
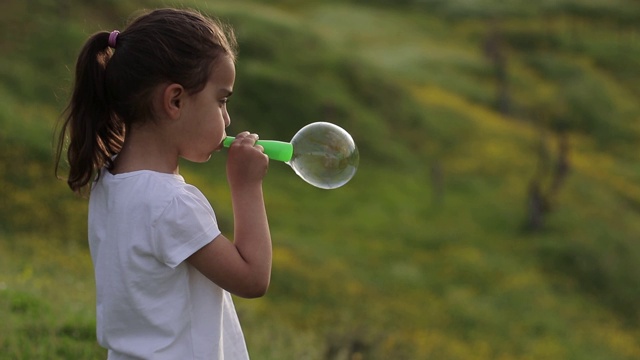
(223, 73)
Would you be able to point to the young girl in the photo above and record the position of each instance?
(143, 98)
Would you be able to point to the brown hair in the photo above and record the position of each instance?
(113, 87)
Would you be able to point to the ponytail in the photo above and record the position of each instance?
(94, 131)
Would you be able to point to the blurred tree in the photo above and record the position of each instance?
(437, 182)
(546, 182)
(495, 50)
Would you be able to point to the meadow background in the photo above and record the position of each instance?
(495, 213)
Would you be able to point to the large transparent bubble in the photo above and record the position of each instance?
(324, 155)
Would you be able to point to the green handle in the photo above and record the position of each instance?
(275, 150)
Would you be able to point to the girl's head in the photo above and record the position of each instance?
(114, 87)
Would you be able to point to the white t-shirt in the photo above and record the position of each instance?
(151, 304)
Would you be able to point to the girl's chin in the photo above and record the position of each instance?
(203, 159)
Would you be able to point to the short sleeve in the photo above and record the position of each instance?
(186, 225)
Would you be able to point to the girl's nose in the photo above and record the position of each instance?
(227, 119)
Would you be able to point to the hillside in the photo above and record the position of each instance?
(495, 214)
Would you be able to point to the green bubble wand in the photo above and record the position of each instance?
(321, 153)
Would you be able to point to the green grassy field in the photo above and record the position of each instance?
(428, 253)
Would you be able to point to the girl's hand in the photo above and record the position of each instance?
(247, 163)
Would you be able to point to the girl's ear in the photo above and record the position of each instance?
(173, 98)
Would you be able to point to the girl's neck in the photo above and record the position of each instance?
(146, 149)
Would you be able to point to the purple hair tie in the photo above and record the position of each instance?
(113, 37)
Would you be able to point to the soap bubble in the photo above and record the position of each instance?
(324, 155)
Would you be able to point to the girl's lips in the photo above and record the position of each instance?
(220, 145)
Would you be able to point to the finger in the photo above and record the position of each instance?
(242, 135)
(250, 139)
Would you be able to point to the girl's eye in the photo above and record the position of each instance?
(224, 101)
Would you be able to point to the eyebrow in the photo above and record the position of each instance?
(226, 92)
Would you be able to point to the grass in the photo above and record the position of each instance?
(424, 253)
(41, 321)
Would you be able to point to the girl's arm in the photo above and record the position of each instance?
(242, 267)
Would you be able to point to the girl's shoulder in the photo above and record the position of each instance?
(146, 187)
(144, 181)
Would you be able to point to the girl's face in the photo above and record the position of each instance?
(205, 115)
